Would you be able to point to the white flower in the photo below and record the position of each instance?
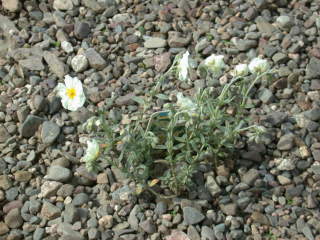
(71, 93)
(92, 152)
(185, 103)
(92, 123)
(258, 65)
(183, 66)
(240, 70)
(215, 63)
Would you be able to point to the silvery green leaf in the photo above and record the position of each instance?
(138, 100)
(162, 96)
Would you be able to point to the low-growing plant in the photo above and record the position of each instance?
(166, 147)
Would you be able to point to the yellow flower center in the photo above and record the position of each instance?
(71, 93)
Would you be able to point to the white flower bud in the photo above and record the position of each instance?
(183, 66)
(240, 70)
(258, 65)
(215, 63)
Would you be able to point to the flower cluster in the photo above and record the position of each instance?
(215, 64)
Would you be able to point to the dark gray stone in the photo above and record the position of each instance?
(148, 226)
(286, 142)
(313, 68)
(95, 60)
(49, 132)
(38, 234)
(80, 199)
(82, 30)
(67, 233)
(192, 215)
(13, 219)
(55, 64)
(58, 173)
(30, 126)
(70, 214)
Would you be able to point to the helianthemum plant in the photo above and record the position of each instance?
(165, 148)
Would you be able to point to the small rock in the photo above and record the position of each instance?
(161, 208)
(38, 234)
(80, 199)
(283, 180)
(175, 40)
(49, 188)
(125, 100)
(95, 60)
(102, 178)
(5, 182)
(207, 233)
(123, 194)
(229, 209)
(12, 205)
(264, 26)
(58, 173)
(49, 132)
(313, 68)
(313, 114)
(22, 176)
(30, 126)
(13, 219)
(276, 118)
(258, 217)
(34, 206)
(4, 135)
(67, 47)
(54, 105)
(155, 42)
(265, 95)
(65, 230)
(96, 6)
(3, 228)
(11, 5)
(307, 232)
(79, 63)
(285, 164)
(260, 3)
(63, 5)
(82, 30)
(250, 176)
(202, 44)
(177, 235)
(106, 221)
(284, 22)
(32, 63)
(55, 64)
(212, 186)
(244, 44)
(286, 142)
(70, 214)
(50, 211)
(311, 201)
(280, 58)
(192, 215)
(148, 226)
(38, 103)
(162, 62)
(132, 219)
(193, 233)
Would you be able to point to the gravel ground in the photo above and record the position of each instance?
(118, 48)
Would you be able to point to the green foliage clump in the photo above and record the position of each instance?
(166, 147)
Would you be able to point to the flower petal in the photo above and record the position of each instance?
(61, 89)
(68, 81)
